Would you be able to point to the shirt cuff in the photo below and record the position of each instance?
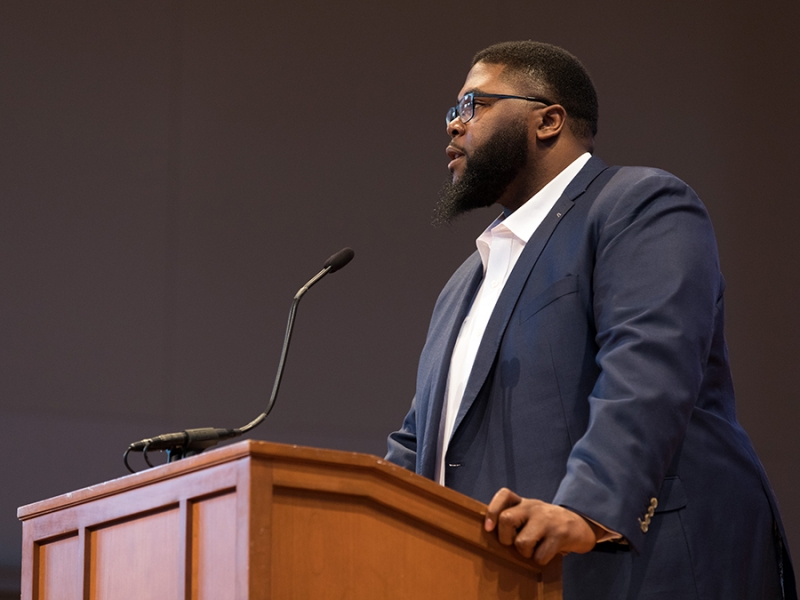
(603, 534)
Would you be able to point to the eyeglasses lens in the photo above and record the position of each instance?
(452, 113)
(465, 108)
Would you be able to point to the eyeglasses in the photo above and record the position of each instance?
(465, 109)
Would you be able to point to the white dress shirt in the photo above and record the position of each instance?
(500, 245)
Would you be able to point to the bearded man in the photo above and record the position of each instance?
(575, 376)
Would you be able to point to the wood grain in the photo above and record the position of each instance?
(59, 560)
(137, 559)
(259, 521)
(213, 551)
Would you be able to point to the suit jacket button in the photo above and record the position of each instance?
(644, 525)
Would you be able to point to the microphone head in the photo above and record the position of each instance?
(339, 260)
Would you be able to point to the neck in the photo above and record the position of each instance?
(540, 171)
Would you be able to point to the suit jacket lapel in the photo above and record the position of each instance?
(487, 351)
(444, 334)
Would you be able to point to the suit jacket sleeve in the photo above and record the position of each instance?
(402, 445)
(656, 287)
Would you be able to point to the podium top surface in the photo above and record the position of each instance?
(338, 474)
(259, 450)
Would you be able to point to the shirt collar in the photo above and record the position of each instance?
(522, 223)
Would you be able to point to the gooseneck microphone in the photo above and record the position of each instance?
(194, 441)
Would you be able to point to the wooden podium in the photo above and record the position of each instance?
(257, 520)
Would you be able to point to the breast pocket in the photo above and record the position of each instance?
(559, 289)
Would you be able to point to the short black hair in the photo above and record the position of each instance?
(566, 80)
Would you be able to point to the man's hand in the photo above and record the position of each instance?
(538, 529)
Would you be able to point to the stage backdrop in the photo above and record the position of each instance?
(172, 171)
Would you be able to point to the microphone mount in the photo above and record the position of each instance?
(194, 441)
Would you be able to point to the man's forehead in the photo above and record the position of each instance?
(485, 77)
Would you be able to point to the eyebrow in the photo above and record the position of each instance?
(476, 91)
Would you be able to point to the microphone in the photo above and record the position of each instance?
(339, 260)
(205, 435)
(194, 441)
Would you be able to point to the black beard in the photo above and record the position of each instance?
(487, 174)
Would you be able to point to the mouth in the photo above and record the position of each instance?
(454, 154)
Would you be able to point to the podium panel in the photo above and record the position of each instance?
(257, 521)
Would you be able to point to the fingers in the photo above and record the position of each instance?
(502, 500)
(567, 532)
(524, 525)
(537, 529)
(547, 549)
(527, 539)
(510, 523)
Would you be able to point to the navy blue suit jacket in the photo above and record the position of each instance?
(602, 382)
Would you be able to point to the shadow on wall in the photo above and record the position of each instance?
(9, 583)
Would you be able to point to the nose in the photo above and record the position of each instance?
(455, 127)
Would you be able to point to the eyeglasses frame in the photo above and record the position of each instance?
(455, 111)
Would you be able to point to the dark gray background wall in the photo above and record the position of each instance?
(171, 173)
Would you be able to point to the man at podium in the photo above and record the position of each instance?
(575, 374)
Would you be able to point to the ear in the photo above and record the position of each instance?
(550, 122)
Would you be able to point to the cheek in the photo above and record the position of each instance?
(472, 139)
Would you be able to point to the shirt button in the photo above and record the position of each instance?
(495, 284)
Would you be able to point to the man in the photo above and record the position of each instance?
(575, 375)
